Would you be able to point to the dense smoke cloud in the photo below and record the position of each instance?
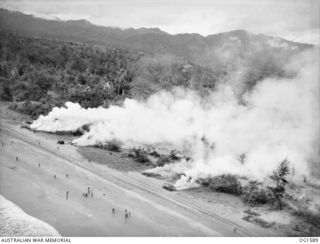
(278, 119)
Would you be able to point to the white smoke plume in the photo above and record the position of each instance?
(280, 119)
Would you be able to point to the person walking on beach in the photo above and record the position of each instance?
(54, 177)
(91, 193)
(17, 158)
(113, 211)
(39, 165)
(67, 175)
(67, 195)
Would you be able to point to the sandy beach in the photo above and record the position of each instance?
(30, 160)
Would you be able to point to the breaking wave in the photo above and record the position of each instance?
(15, 222)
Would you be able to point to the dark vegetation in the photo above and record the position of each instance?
(46, 73)
(226, 183)
(139, 155)
(194, 47)
(152, 157)
(279, 180)
(163, 160)
(113, 146)
(254, 193)
(44, 63)
(42, 73)
(275, 196)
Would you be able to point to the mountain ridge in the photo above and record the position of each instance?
(148, 40)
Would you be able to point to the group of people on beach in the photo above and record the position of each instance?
(88, 193)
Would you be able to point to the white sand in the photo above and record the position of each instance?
(154, 211)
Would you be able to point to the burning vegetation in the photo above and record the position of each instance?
(220, 130)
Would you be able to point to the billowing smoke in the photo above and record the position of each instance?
(278, 119)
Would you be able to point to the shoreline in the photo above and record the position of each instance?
(15, 222)
(155, 211)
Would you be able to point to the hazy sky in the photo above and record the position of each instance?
(296, 20)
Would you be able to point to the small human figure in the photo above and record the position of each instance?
(91, 193)
(54, 177)
(88, 190)
(235, 230)
(126, 215)
(39, 165)
(113, 211)
(86, 195)
(89, 160)
(17, 158)
(67, 175)
(67, 195)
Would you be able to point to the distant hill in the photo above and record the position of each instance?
(50, 62)
(149, 40)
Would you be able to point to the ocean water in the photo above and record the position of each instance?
(15, 222)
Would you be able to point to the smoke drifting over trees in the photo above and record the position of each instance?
(277, 119)
(233, 102)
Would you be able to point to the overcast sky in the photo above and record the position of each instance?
(296, 20)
